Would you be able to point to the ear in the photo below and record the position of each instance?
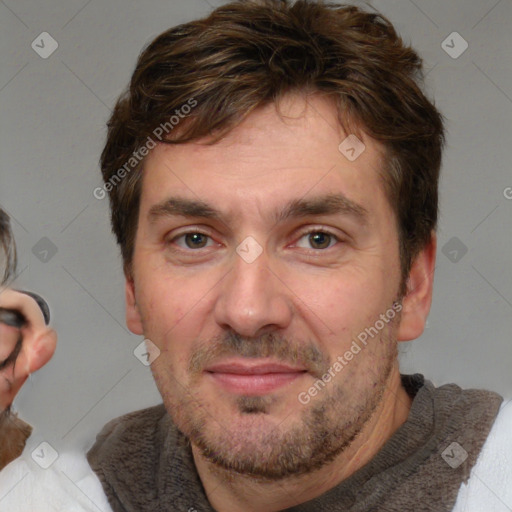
(41, 350)
(133, 318)
(418, 298)
(37, 349)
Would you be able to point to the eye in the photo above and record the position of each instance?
(192, 240)
(317, 240)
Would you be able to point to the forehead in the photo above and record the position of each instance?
(271, 157)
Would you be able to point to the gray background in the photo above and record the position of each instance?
(53, 115)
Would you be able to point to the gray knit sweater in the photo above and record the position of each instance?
(145, 463)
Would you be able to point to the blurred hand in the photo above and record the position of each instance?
(25, 349)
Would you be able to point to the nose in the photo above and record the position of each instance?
(252, 299)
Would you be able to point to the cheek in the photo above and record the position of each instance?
(346, 296)
(339, 308)
(158, 308)
(172, 316)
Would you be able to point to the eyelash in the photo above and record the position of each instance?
(302, 235)
(191, 231)
(322, 231)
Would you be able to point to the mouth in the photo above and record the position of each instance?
(253, 378)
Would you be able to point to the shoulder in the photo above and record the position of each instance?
(128, 451)
(129, 443)
(490, 485)
(145, 418)
(67, 484)
(142, 424)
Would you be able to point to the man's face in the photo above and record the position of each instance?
(258, 261)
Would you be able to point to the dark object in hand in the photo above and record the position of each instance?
(16, 319)
(12, 317)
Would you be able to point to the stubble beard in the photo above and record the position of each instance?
(254, 445)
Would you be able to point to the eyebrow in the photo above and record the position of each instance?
(330, 204)
(177, 206)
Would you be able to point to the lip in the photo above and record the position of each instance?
(253, 378)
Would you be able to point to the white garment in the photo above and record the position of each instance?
(489, 487)
(70, 485)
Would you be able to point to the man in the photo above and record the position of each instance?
(272, 172)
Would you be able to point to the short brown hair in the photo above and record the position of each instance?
(247, 54)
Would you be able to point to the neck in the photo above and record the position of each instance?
(231, 492)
